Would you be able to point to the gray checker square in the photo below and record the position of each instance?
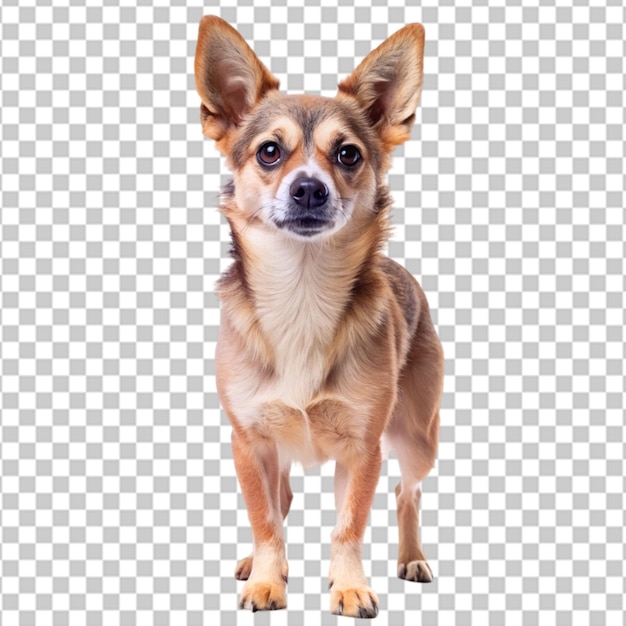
(119, 501)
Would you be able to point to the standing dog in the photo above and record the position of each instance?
(326, 347)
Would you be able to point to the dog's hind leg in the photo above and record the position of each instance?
(413, 433)
(412, 564)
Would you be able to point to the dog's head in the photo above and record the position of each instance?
(306, 165)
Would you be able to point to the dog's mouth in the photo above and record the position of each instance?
(306, 225)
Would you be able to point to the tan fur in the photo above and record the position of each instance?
(326, 347)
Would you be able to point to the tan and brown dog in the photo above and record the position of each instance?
(326, 347)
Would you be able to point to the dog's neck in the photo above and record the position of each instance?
(299, 293)
(301, 289)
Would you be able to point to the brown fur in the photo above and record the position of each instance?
(326, 346)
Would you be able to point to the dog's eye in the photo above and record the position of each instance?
(268, 154)
(349, 155)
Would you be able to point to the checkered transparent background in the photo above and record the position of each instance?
(119, 503)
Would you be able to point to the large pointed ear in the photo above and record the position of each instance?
(388, 83)
(230, 78)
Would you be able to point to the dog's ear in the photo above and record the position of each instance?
(230, 78)
(388, 83)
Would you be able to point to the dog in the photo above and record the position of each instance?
(326, 347)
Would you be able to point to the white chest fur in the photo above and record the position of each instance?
(300, 291)
(300, 296)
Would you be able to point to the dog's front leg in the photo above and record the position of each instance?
(355, 484)
(258, 472)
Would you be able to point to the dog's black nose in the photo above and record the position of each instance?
(309, 193)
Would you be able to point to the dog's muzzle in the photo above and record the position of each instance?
(310, 211)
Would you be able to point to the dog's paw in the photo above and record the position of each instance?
(416, 571)
(353, 601)
(263, 596)
(244, 567)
